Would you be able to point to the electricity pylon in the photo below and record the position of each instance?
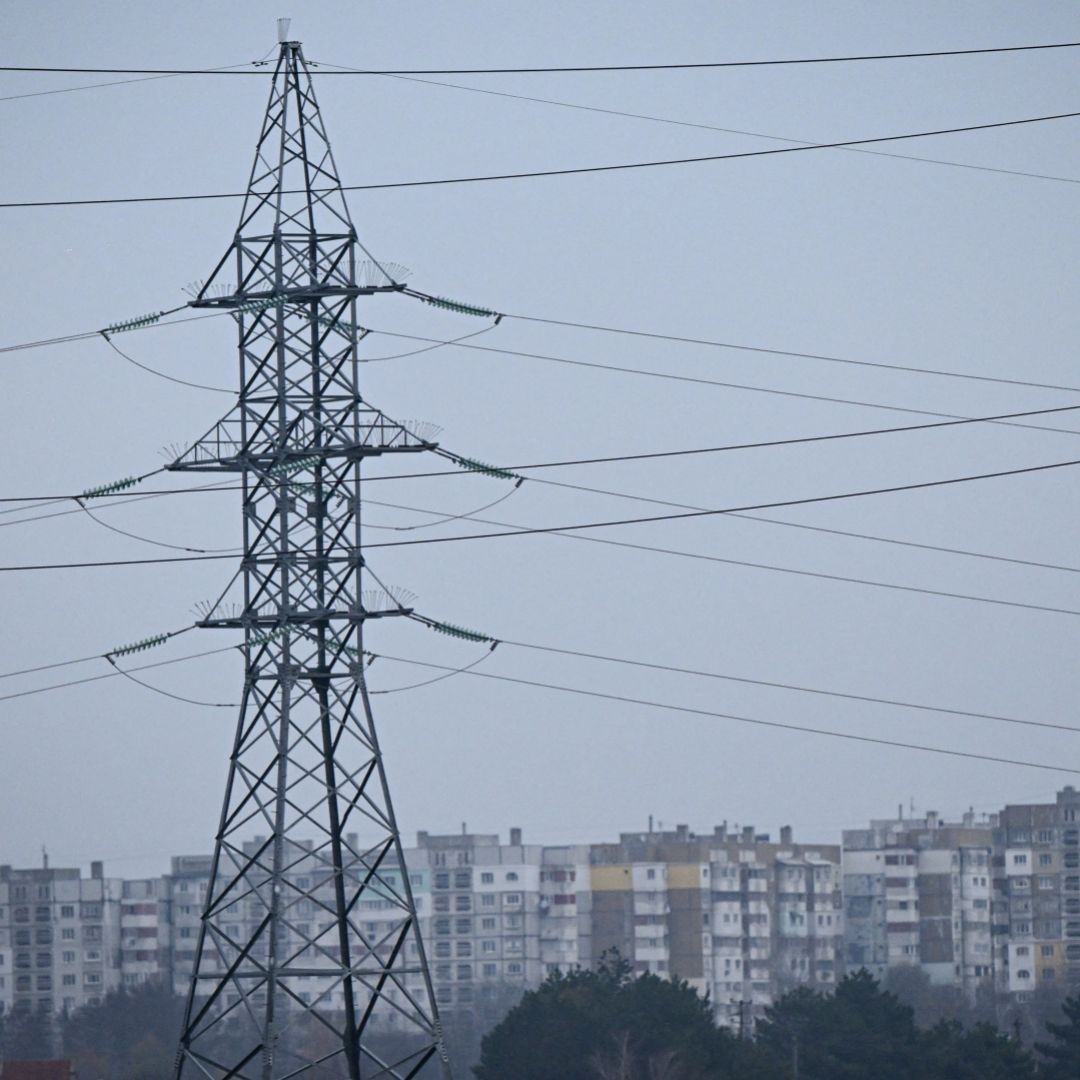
(283, 954)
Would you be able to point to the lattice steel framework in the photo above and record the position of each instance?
(283, 962)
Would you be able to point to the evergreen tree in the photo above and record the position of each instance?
(28, 1035)
(608, 1025)
(952, 1052)
(1062, 1056)
(857, 1033)
(130, 1034)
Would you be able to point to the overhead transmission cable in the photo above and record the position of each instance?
(849, 58)
(601, 460)
(620, 660)
(585, 526)
(653, 666)
(436, 343)
(713, 127)
(690, 711)
(722, 384)
(112, 82)
(683, 339)
(542, 173)
(771, 567)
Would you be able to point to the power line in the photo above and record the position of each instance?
(726, 130)
(626, 700)
(649, 665)
(583, 526)
(701, 381)
(168, 693)
(763, 350)
(577, 68)
(111, 674)
(161, 374)
(654, 454)
(85, 335)
(539, 173)
(723, 560)
(434, 343)
(113, 82)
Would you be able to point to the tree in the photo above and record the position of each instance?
(594, 1025)
(1062, 1056)
(979, 1053)
(858, 1033)
(28, 1035)
(130, 1034)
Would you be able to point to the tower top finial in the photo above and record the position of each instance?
(283, 30)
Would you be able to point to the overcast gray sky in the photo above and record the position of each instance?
(830, 252)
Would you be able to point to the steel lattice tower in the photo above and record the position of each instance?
(282, 953)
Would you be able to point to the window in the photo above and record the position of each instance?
(68, 980)
(490, 969)
(442, 881)
(650, 874)
(487, 924)
(1022, 950)
(463, 902)
(442, 950)
(487, 946)
(1048, 974)
(1046, 859)
(462, 879)
(513, 898)
(1048, 950)
(1046, 882)
(1020, 860)
(464, 971)
(487, 899)
(1023, 973)
(464, 948)
(512, 876)
(68, 957)
(487, 878)
(42, 914)
(68, 933)
(442, 903)
(463, 926)
(1045, 836)
(67, 911)
(416, 879)
(513, 968)
(92, 978)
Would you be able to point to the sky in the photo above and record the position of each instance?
(830, 252)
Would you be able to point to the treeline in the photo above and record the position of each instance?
(610, 1025)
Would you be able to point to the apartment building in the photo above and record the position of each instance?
(59, 937)
(503, 915)
(1036, 880)
(733, 913)
(918, 891)
(145, 931)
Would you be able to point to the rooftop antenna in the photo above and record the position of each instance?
(44, 858)
(283, 30)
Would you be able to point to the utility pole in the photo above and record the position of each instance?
(283, 953)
